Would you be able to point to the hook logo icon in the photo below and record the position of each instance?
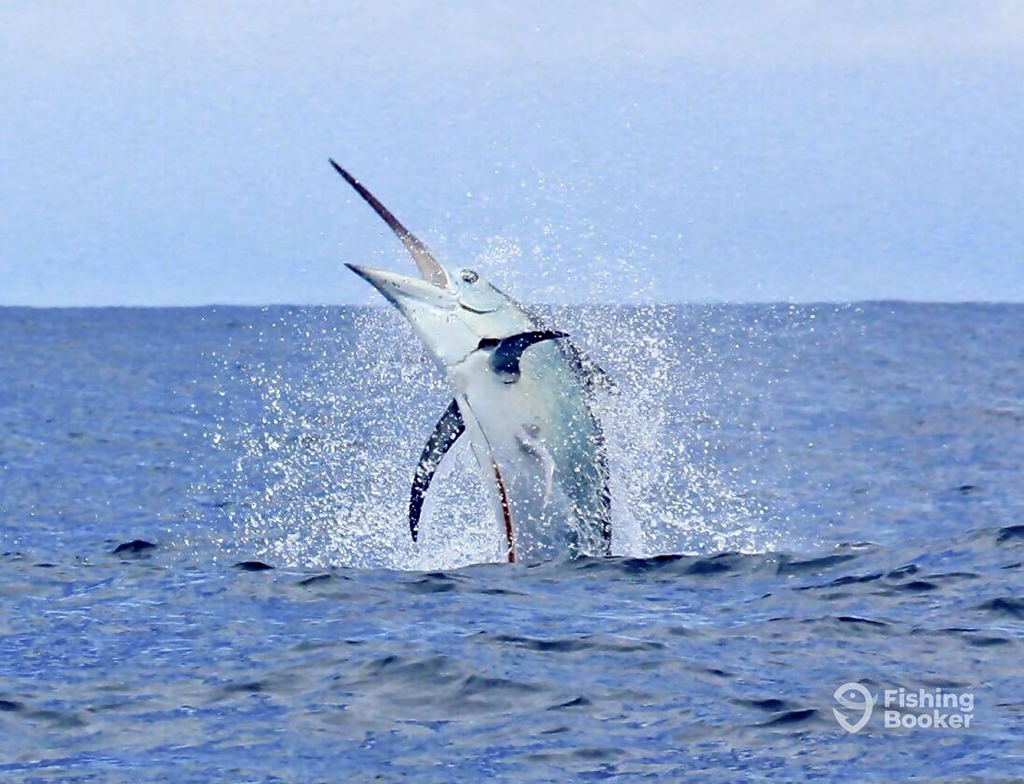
(855, 697)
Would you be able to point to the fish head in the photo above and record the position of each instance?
(450, 312)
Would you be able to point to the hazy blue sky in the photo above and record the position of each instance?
(175, 153)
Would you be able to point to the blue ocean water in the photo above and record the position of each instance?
(205, 572)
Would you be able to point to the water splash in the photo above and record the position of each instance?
(345, 398)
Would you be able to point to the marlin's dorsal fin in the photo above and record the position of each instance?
(429, 267)
(446, 432)
(594, 376)
(508, 351)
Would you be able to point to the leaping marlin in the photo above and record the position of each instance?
(523, 397)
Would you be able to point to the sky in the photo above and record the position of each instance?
(176, 153)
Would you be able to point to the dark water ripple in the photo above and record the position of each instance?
(135, 645)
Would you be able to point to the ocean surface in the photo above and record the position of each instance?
(205, 572)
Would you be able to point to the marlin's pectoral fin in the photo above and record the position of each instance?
(446, 432)
(508, 352)
(530, 442)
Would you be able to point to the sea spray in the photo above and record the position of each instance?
(347, 396)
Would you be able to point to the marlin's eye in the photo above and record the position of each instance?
(469, 276)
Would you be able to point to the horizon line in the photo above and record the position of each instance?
(673, 303)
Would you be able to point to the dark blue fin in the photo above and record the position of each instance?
(508, 351)
(446, 432)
